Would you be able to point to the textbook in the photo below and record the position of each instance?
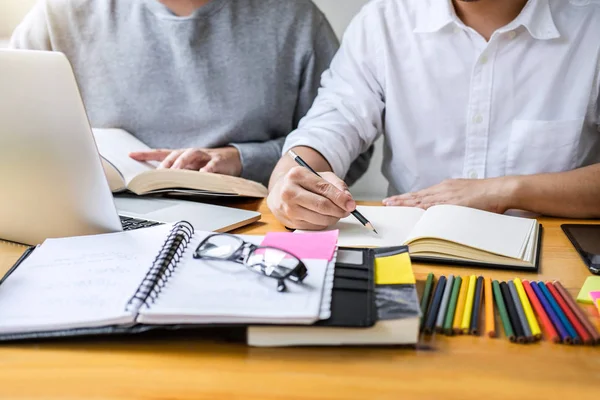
(449, 235)
(393, 310)
(143, 178)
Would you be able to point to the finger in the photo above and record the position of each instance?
(319, 204)
(212, 167)
(402, 197)
(150, 155)
(312, 183)
(170, 159)
(335, 181)
(191, 159)
(397, 202)
(311, 217)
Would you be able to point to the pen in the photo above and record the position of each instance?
(355, 213)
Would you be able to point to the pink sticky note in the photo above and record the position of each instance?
(595, 296)
(315, 245)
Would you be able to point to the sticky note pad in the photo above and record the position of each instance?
(309, 245)
(394, 270)
(592, 284)
(595, 296)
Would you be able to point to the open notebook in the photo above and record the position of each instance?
(146, 277)
(125, 174)
(449, 234)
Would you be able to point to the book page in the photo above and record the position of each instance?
(494, 233)
(79, 282)
(115, 145)
(204, 292)
(393, 224)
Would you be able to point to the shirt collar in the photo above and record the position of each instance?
(536, 17)
(434, 15)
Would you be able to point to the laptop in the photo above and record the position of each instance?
(52, 183)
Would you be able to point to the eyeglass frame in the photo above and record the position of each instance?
(296, 274)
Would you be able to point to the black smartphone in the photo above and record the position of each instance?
(586, 240)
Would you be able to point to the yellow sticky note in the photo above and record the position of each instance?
(592, 284)
(394, 270)
(598, 305)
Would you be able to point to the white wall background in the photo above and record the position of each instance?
(371, 187)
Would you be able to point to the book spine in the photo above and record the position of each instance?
(163, 266)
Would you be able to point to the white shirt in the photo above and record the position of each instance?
(452, 105)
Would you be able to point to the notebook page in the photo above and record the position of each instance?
(204, 292)
(498, 234)
(393, 224)
(78, 282)
(115, 145)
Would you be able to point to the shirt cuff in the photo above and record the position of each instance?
(338, 165)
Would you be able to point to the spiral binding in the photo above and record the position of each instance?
(163, 266)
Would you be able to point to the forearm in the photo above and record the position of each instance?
(312, 158)
(573, 194)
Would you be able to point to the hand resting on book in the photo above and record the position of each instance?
(225, 160)
(493, 195)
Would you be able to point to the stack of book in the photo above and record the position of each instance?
(152, 279)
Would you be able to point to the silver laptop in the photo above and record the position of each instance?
(52, 183)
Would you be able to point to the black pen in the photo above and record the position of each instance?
(356, 214)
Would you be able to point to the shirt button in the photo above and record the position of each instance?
(457, 29)
(478, 119)
(473, 174)
(483, 60)
(512, 35)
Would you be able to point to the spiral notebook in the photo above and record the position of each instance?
(123, 282)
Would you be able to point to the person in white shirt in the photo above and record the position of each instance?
(483, 103)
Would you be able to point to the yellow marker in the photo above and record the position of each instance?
(460, 306)
(466, 321)
(394, 270)
(535, 327)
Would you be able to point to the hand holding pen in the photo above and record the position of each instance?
(304, 199)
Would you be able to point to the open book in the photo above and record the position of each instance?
(124, 173)
(449, 234)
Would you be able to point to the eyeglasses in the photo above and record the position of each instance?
(268, 261)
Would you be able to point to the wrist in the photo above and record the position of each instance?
(232, 154)
(512, 192)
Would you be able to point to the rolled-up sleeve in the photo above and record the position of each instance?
(347, 116)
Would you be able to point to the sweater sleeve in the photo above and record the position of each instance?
(259, 159)
(33, 32)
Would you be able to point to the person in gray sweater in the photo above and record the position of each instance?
(212, 85)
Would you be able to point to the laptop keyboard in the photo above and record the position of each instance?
(130, 224)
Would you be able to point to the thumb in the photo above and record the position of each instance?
(348, 202)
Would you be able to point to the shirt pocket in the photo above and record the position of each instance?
(537, 147)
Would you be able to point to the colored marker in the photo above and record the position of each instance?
(460, 306)
(535, 327)
(560, 328)
(520, 311)
(466, 321)
(549, 329)
(452, 305)
(580, 314)
(508, 330)
(581, 332)
(435, 306)
(572, 337)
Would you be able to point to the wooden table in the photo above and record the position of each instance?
(182, 367)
